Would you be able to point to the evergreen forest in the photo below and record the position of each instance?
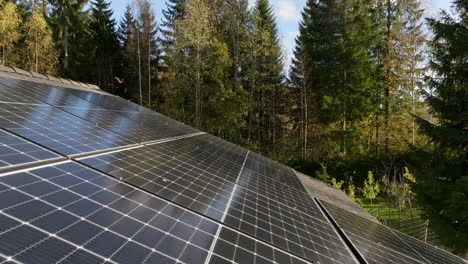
(374, 101)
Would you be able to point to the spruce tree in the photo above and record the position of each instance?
(442, 176)
(299, 75)
(176, 10)
(128, 63)
(105, 43)
(266, 84)
(148, 46)
(69, 23)
(234, 25)
(334, 49)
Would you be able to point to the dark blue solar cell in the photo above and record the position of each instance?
(57, 130)
(16, 151)
(51, 250)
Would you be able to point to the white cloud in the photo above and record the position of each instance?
(287, 10)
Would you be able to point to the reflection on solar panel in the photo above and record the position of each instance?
(140, 187)
(15, 151)
(380, 244)
(68, 213)
(57, 130)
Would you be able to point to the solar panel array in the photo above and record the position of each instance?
(92, 178)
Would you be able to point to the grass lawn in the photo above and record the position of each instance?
(388, 214)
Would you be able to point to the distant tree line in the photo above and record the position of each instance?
(366, 84)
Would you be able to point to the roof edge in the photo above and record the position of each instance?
(46, 79)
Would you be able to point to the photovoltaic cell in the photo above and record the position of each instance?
(379, 244)
(273, 170)
(109, 102)
(183, 179)
(160, 123)
(167, 177)
(81, 215)
(64, 99)
(432, 254)
(57, 130)
(309, 236)
(117, 124)
(45, 93)
(235, 247)
(216, 157)
(16, 151)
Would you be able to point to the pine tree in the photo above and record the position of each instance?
(266, 81)
(128, 65)
(176, 10)
(414, 53)
(234, 25)
(69, 23)
(442, 178)
(299, 76)
(105, 42)
(39, 52)
(148, 47)
(334, 63)
(9, 30)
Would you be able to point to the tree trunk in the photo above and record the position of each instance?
(36, 54)
(197, 91)
(139, 66)
(44, 8)
(65, 47)
(387, 76)
(149, 71)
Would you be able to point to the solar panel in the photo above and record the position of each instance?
(68, 213)
(379, 244)
(53, 95)
(12, 96)
(109, 102)
(168, 177)
(273, 170)
(64, 99)
(57, 130)
(185, 179)
(16, 151)
(234, 247)
(160, 122)
(117, 123)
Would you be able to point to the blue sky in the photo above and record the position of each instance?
(288, 15)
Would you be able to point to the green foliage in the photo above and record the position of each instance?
(265, 79)
(9, 30)
(336, 184)
(174, 12)
(38, 53)
(105, 52)
(351, 189)
(227, 104)
(323, 174)
(441, 186)
(371, 188)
